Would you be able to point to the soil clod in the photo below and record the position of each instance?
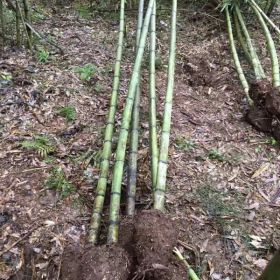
(155, 237)
(259, 118)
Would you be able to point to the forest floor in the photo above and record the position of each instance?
(223, 176)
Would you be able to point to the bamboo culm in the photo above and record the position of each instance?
(270, 22)
(238, 67)
(259, 72)
(271, 48)
(121, 148)
(241, 39)
(152, 101)
(107, 148)
(159, 193)
(132, 167)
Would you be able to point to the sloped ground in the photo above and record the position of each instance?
(223, 175)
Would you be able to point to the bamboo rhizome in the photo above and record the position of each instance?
(152, 101)
(132, 166)
(159, 193)
(123, 135)
(270, 46)
(236, 60)
(107, 146)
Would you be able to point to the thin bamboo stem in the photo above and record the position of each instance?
(191, 272)
(132, 167)
(121, 148)
(241, 39)
(107, 147)
(271, 7)
(270, 46)
(159, 194)
(29, 43)
(253, 54)
(26, 8)
(270, 22)
(238, 67)
(152, 101)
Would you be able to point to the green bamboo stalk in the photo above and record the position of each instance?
(121, 148)
(191, 272)
(159, 193)
(3, 23)
(238, 67)
(259, 72)
(132, 166)
(241, 39)
(107, 148)
(152, 101)
(271, 48)
(270, 22)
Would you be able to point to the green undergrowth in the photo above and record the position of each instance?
(67, 112)
(221, 207)
(43, 145)
(57, 181)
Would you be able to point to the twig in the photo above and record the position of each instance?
(19, 240)
(40, 36)
(191, 272)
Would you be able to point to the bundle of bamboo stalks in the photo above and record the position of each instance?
(263, 97)
(130, 123)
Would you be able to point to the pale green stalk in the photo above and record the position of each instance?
(238, 67)
(159, 193)
(270, 22)
(152, 101)
(132, 167)
(271, 48)
(121, 148)
(107, 148)
(253, 54)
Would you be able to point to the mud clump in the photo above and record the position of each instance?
(259, 118)
(99, 263)
(272, 102)
(155, 237)
(71, 262)
(105, 262)
(259, 90)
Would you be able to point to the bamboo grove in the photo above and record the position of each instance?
(129, 129)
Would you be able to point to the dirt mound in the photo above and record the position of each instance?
(144, 252)
(272, 102)
(104, 262)
(259, 90)
(155, 237)
(264, 115)
(259, 118)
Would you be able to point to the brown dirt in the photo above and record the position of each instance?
(272, 102)
(259, 118)
(155, 237)
(259, 90)
(95, 262)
